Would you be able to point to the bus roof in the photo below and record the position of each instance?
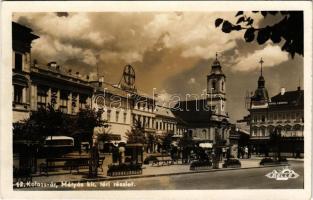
(57, 137)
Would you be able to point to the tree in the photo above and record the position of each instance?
(42, 123)
(186, 144)
(86, 121)
(151, 139)
(289, 27)
(275, 141)
(167, 140)
(137, 134)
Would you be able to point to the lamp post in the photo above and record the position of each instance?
(218, 144)
(215, 154)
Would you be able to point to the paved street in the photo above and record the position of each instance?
(239, 179)
(230, 179)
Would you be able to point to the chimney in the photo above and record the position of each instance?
(77, 73)
(52, 64)
(299, 88)
(70, 71)
(282, 91)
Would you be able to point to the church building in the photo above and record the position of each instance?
(207, 119)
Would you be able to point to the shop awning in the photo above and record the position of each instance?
(206, 145)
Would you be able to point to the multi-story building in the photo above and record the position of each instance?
(21, 62)
(116, 105)
(37, 85)
(123, 106)
(283, 114)
(165, 123)
(66, 91)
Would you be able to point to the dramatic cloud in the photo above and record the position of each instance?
(272, 56)
(170, 51)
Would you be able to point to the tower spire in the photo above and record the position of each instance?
(261, 62)
(216, 54)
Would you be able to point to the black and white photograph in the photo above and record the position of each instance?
(159, 99)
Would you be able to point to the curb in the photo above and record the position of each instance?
(84, 180)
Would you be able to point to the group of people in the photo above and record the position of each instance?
(244, 152)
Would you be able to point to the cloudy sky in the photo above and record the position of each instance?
(171, 52)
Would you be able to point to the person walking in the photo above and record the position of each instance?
(246, 151)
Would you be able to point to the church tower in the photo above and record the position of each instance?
(260, 98)
(216, 89)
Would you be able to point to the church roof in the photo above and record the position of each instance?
(193, 111)
(260, 94)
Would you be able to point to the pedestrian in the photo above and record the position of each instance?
(246, 151)
(242, 152)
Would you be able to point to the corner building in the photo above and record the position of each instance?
(284, 113)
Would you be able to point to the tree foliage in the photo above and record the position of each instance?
(50, 122)
(289, 28)
(85, 122)
(42, 123)
(275, 141)
(167, 139)
(186, 141)
(137, 134)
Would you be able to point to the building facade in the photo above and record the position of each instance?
(21, 64)
(206, 120)
(165, 123)
(282, 114)
(123, 107)
(63, 90)
(36, 86)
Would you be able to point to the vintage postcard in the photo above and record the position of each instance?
(151, 100)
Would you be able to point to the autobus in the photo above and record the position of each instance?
(55, 146)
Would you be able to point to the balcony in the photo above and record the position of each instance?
(260, 137)
(20, 106)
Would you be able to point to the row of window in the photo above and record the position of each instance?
(164, 126)
(42, 100)
(117, 116)
(143, 106)
(279, 116)
(146, 122)
(265, 131)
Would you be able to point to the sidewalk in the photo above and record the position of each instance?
(148, 171)
(289, 159)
